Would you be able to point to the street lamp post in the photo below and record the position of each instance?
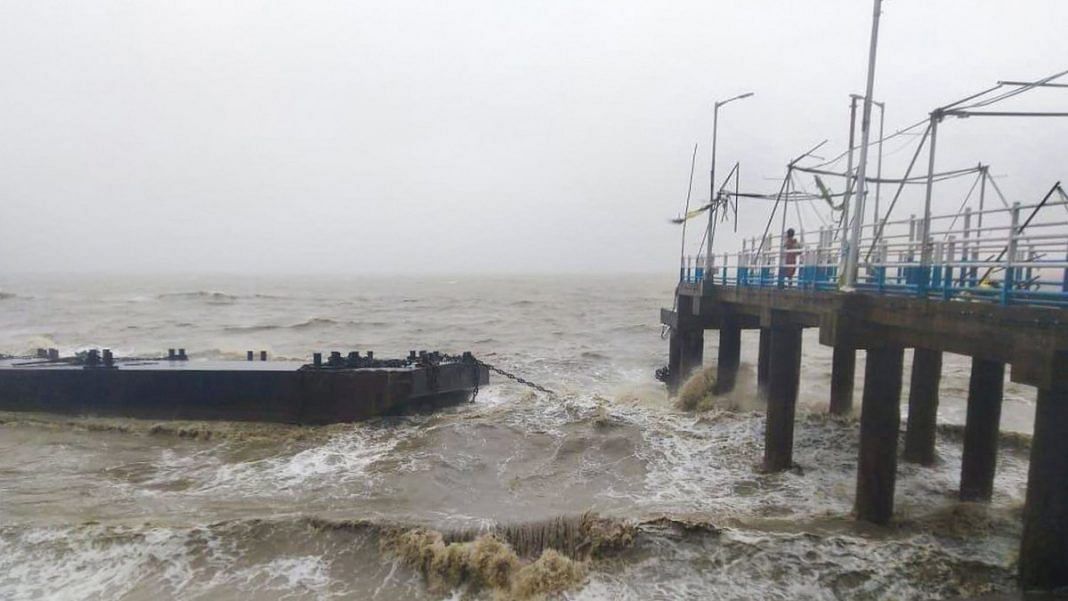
(712, 179)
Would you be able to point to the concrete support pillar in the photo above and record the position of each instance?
(763, 361)
(784, 373)
(880, 420)
(693, 351)
(1044, 547)
(923, 406)
(843, 374)
(674, 362)
(730, 349)
(686, 350)
(981, 430)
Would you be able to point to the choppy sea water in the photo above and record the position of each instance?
(643, 500)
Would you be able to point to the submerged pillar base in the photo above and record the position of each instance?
(730, 350)
(784, 373)
(1044, 547)
(981, 427)
(763, 361)
(686, 350)
(880, 419)
(843, 374)
(923, 407)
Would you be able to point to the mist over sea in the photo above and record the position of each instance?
(641, 499)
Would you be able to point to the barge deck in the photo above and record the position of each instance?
(342, 389)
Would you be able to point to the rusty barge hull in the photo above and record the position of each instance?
(275, 391)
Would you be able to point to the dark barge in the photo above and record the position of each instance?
(340, 389)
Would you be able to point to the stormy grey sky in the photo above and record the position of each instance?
(463, 136)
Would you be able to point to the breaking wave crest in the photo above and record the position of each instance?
(309, 324)
(208, 296)
(312, 557)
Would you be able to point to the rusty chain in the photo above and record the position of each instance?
(515, 378)
(507, 374)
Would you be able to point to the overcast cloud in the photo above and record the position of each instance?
(459, 136)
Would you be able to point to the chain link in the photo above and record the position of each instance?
(505, 373)
(515, 378)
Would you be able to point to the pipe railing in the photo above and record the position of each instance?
(974, 255)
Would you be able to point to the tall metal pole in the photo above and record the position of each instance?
(849, 170)
(843, 228)
(925, 249)
(865, 135)
(879, 165)
(712, 189)
(686, 216)
(984, 170)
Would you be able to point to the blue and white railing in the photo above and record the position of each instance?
(984, 256)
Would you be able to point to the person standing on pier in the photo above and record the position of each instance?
(792, 249)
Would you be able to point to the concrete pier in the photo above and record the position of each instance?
(730, 349)
(843, 375)
(784, 373)
(1033, 340)
(880, 420)
(923, 407)
(981, 430)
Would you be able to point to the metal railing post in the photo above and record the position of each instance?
(925, 250)
(883, 256)
(1064, 278)
(947, 285)
(964, 244)
(936, 266)
(1010, 256)
(910, 257)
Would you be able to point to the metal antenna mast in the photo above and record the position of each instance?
(853, 256)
